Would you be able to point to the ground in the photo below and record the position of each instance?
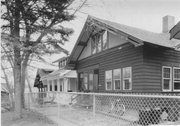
(30, 118)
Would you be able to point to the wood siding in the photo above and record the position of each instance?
(146, 62)
(115, 58)
(154, 57)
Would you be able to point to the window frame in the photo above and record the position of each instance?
(93, 44)
(98, 37)
(102, 39)
(127, 78)
(111, 80)
(175, 90)
(120, 79)
(170, 85)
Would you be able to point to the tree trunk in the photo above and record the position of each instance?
(17, 83)
(17, 60)
(23, 77)
(23, 85)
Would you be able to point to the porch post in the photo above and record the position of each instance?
(58, 85)
(53, 85)
(48, 86)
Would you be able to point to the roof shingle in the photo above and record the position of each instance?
(162, 39)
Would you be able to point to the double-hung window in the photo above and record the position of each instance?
(166, 78)
(176, 79)
(127, 78)
(99, 42)
(85, 81)
(93, 45)
(104, 41)
(117, 79)
(108, 79)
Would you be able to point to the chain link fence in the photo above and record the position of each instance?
(96, 109)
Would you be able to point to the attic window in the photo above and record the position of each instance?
(99, 42)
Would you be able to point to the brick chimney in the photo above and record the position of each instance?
(168, 23)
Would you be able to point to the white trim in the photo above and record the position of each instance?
(108, 80)
(173, 79)
(117, 79)
(170, 85)
(127, 78)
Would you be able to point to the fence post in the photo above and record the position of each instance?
(94, 105)
(58, 100)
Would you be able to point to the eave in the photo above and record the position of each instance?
(81, 44)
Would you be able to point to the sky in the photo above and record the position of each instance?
(144, 14)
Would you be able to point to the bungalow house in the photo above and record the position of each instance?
(111, 57)
(62, 79)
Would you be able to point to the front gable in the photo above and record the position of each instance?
(113, 40)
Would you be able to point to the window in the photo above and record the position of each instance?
(108, 79)
(104, 40)
(117, 79)
(166, 78)
(99, 42)
(90, 81)
(85, 81)
(176, 79)
(127, 77)
(94, 49)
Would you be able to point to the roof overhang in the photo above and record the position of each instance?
(175, 31)
(86, 34)
(59, 74)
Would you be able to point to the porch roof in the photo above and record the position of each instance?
(61, 73)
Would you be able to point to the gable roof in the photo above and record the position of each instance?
(175, 31)
(161, 39)
(138, 36)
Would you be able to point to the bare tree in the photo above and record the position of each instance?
(34, 28)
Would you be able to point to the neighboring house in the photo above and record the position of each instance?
(110, 57)
(62, 79)
(42, 86)
(175, 31)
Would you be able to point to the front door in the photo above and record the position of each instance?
(88, 81)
